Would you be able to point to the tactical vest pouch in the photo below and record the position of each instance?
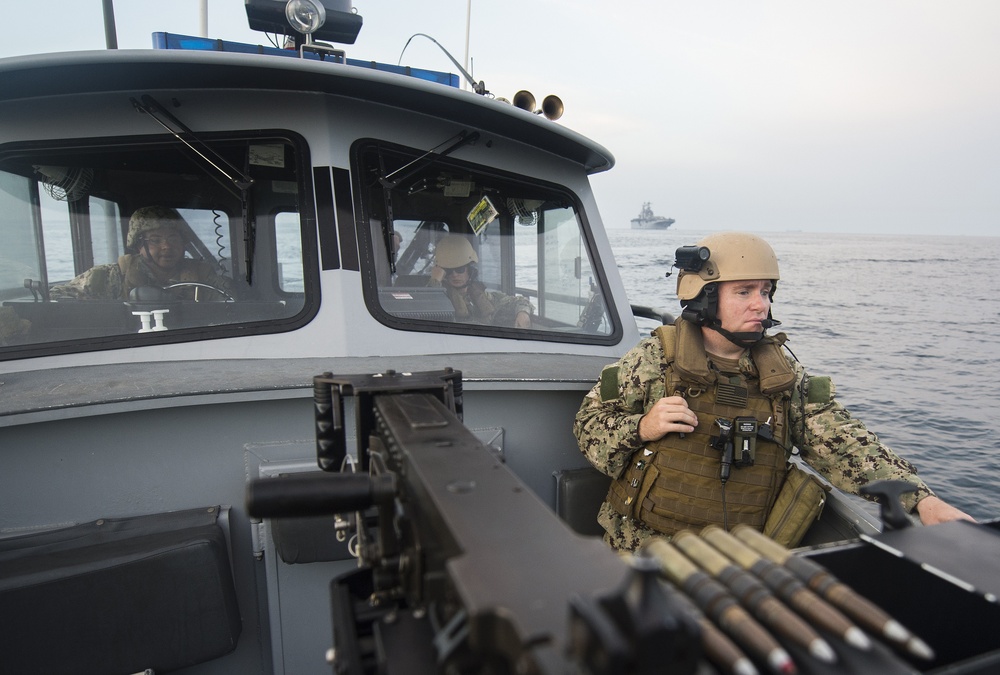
(626, 494)
(798, 505)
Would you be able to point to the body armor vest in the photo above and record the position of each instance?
(674, 483)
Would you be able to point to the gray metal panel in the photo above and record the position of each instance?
(142, 71)
(62, 389)
(153, 455)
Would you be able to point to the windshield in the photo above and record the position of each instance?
(141, 241)
(458, 248)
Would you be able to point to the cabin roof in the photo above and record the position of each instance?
(67, 73)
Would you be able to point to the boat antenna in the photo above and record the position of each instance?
(478, 87)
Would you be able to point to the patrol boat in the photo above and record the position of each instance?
(130, 427)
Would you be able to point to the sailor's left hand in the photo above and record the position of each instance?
(933, 510)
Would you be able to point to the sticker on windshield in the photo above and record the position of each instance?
(482, 214)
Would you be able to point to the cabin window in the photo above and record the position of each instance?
(464, 249)
(229, 259)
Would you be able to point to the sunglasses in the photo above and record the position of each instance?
(457, 270)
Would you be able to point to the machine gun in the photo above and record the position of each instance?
(462, 568)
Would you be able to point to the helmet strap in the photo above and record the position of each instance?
(703, 312)
(743, 339)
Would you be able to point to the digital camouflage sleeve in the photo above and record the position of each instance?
(109, 282)
(101, 282)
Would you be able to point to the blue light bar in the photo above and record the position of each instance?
(190, 42)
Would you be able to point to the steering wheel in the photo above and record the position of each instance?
(182, 284)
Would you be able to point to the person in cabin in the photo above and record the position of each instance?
(695, 424)
(455, 269)
(156, 240)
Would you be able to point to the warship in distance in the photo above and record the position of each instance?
(647, 220)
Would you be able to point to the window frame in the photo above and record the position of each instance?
(303, 200)
(370, 274)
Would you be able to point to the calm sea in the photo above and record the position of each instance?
(908, 328)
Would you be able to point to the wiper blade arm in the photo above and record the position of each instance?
(174, 126)
(463, 137)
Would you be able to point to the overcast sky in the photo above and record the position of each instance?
(856, 116)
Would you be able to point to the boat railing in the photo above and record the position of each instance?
(661, 315)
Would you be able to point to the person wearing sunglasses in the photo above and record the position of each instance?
(455, 269)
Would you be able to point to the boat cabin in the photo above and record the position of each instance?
(259, 212)
(313, 194)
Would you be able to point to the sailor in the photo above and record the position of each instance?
(156, 240)
(455, 268)
(696, 423)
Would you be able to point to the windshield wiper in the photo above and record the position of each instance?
(232, 176)
(393, 179)
(175, 127)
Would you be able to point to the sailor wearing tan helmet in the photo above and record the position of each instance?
(664, 420)
(455, 262)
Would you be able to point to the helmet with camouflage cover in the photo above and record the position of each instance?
(725, 256)
(150, 218)
(454, 250)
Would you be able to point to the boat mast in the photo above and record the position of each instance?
(203, 18)
(110, 33)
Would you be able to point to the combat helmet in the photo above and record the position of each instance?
(725, 256)
(152, 218)
(454, 250)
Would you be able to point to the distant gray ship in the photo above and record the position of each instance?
(646, 220)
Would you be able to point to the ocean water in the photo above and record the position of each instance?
(908, 328)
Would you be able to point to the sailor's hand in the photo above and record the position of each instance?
(668, 415)
(933, 510)
(437, 273)
(522, 320)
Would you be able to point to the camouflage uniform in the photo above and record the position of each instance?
(838, 446)
(13, 329)
(114, 281)
(491, 308)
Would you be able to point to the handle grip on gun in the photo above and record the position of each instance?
(888, 494)
(294, 496)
